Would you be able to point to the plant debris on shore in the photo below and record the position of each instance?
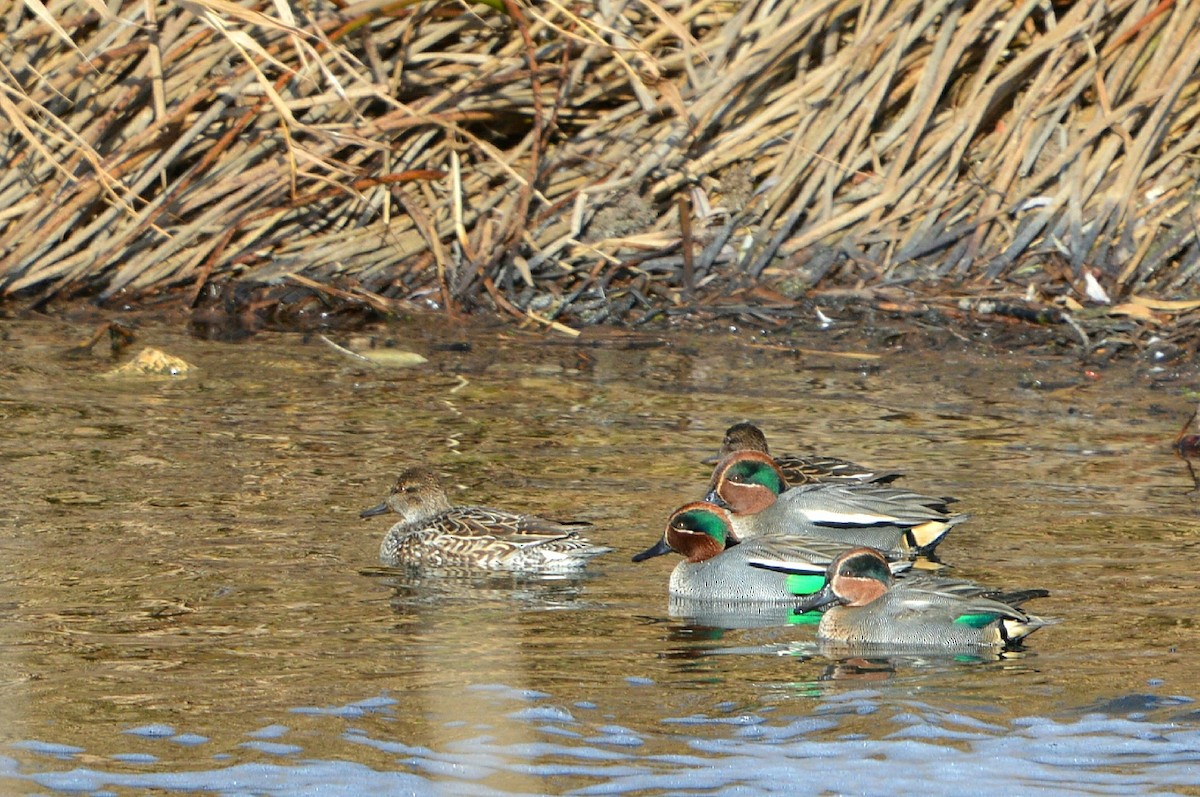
(611, 162)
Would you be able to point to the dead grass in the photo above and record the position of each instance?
(540, 159)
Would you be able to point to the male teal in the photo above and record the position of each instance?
(718, 568)
(751, 485)
(870, 607)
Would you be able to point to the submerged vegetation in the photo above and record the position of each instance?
(582, 163)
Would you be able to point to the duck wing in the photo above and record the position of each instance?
(818, 469)
(864, 505)
(961, 601)
(795, 553)
(482, 521)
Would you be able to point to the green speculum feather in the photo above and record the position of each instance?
(808, 618)
(804, 584)
(975, 620)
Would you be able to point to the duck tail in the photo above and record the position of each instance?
(1013, 629)
(1018, 597)
(924, 537)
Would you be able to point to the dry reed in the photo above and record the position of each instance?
(593, 162)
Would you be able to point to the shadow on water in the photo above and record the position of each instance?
(193, 604)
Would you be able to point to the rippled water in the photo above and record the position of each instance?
(191, 602)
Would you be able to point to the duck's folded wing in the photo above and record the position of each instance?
(967, 590)
(864, 505)
(818, 469)
(482, 520)
(793, 553)
(955, 600)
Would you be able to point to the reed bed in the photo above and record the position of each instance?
(608, 161)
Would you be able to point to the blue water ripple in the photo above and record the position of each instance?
(508, 692)
(616, 739)
(554, 730)
(346, 712)
(378, 702)
(612, 728)
(269, 732)
(463, 769)
(926, 731)
(189, 739)
(926, 751)
(152, 731)
(701, 719)
(575, 770)
(396, 748)
(543, 714)
(48, 748)
(799, 727)
(971, 722)
(533, 750)
(272, 748)
(319, 779)
(616, 735)
(134, 758)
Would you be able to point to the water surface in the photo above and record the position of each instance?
(192, 603)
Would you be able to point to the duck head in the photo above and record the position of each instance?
(855, 578)
(740, 437)
(415, 495)
(699, 531)
(746, 482)
(743, 437)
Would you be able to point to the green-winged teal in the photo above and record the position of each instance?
(752, 486)
(873, 608)
(433, 533)
(796, 469)
(772, 568)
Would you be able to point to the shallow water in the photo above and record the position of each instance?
(192, 603)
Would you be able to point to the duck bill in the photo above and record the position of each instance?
(817, 600)
(657, 549)
(714, 497)
(381, 509)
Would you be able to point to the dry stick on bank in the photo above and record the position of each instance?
(527, 154)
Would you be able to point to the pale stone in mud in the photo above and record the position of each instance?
(151, 362)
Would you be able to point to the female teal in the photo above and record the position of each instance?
(434, 533)
(800, 469)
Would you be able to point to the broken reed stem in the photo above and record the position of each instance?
(685, 237)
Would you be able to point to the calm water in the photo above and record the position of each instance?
(191, 602)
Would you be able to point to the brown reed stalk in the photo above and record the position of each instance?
(526, 155)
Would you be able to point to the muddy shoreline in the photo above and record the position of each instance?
(861, 322)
